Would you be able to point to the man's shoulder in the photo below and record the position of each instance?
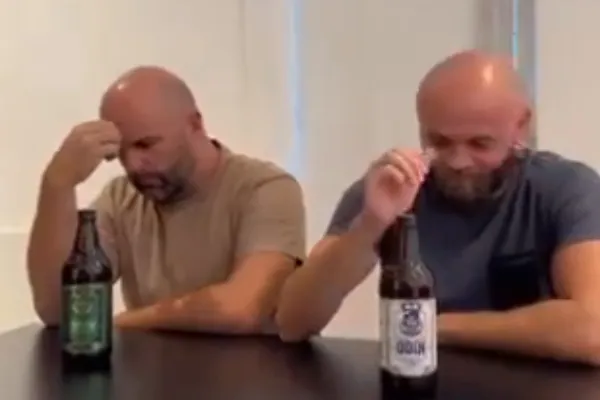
(568, 192)
(545, 163)
(352, 198)
(348, 207)
(354, 193)
(248, 171)
(251, 184)
(552, 174)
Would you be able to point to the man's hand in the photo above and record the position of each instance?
(391, 185)
(82, 151)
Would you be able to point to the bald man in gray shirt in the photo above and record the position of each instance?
(511, 236)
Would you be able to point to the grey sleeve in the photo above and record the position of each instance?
(347, 209)
(576, 205)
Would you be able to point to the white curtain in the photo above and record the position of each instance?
(568, 63)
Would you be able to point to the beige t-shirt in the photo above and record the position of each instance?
(251, 206)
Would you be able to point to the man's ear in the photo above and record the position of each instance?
(197, 122)
(523, 129)
(525, 118)
(519, 145)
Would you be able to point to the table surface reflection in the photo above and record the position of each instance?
(161, 366)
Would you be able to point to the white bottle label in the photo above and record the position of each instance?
(408, 336)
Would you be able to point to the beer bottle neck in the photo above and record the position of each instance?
(409, 245)
(87, 241)
(400, 244)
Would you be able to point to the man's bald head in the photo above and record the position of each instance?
(473, 110)
(472, 79)
(163, 136)
(150, 84)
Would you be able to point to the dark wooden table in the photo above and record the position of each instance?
(159, 366)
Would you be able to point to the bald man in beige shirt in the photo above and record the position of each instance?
(202, 238)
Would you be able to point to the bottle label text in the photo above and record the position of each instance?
(409, 336)
(87, 313)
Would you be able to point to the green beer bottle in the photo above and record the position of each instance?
(86, 326)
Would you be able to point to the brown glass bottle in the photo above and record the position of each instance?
(408, 332)
(86, 304)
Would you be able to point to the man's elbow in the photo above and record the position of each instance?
(251, 320)
(296, 322)
(48, 315)
(580, 338)
(272, 322)
(589, 345)
(290, 328)
(294, 336)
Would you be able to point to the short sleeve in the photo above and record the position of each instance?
(103, 204)
(576, 205)
(347, 209)
(273, 219)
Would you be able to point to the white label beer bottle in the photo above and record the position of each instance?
(86, 303)
(408, 332)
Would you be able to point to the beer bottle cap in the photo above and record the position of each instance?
(408, 220)
(87, 214)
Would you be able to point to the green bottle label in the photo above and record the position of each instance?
(88, 322)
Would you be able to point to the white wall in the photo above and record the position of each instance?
(568, 63)
(349, 68)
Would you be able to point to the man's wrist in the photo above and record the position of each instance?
(369, 227)
(51, 182)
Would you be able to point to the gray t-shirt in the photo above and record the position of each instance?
(497, 256)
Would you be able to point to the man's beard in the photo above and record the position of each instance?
(161, 188)
(169, 186)
(469, 188)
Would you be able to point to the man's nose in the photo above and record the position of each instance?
(133, 161)
(458, 159)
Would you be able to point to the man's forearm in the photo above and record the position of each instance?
(314, 292)
(50, 242)
(558, 329)
(207, 310)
